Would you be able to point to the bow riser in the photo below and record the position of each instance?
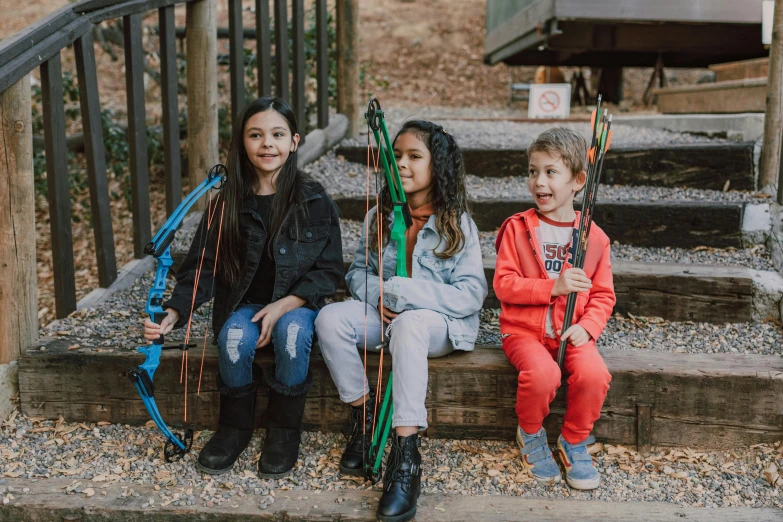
(160, 249)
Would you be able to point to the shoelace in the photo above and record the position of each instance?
(393, 472)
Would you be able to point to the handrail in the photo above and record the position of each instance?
(40, 45)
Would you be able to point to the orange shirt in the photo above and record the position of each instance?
(420, 217)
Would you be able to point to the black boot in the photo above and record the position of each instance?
(237, 413)
(358, 431)
(283, 429)
(401, 481)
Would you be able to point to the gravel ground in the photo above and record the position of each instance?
(656, 334)
(346, 178)
(94, 456)
(757, 257)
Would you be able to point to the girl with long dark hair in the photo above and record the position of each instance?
(280, 258)
(430, 314)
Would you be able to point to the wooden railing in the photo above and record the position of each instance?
(41, 44)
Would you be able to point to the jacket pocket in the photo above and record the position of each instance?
(310, 233)
(439, 268)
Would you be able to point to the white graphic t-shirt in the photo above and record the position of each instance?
(553, 237)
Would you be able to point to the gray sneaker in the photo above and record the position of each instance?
(537, 457)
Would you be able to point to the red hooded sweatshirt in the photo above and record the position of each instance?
(525, 290)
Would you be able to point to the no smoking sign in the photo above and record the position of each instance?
(550, 100)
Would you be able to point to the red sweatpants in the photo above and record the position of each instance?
(539, 378)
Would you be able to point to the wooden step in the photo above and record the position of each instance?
(696, 400)
(683, 224)
(675, 292)
(747, 95)
(43, 500)
(697, 165)
(757, 68)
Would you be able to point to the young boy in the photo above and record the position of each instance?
(533, 278)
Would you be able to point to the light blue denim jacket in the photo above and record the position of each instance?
(454, 287)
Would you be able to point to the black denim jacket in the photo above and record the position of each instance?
(309, 267)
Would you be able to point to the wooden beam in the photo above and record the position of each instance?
(348, 63)
(57, 184)
(322, 62)
(298, 101)
(21, 65)
(682, 224)
(202, 90)
(282, 89)
(18, 277)
(237, 57)
(697, 165)
(137, 132)
(100, 209)
(263, 48)
(34, 34)
(699, 400)
(714, 98)
(172, 155)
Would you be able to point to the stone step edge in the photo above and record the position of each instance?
(43, 500)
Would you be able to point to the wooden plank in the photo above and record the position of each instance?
(137, 133)
(682, 292)
(673, 291)
(322, 62)
(9, 389)
(21, 65)
(298, 86)
(57, 183)
(758, 68)
(725, 97)
(34, 34)
(263, 49)
(682, 224)
(702, 165)
(172, 155)
(96, 160)
(237, 57)
(44, 501)
(281, 50)
(18, 277)
(717, 399)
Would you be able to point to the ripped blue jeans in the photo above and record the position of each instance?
(292, 339)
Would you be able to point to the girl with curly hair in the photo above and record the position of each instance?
(430, 314)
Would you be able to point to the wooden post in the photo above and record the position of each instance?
(770, 149)
(201, 30)
(348, 63)
(18, 278)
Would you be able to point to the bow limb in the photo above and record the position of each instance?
(160, 248)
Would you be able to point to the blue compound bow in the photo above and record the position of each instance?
(176, 445)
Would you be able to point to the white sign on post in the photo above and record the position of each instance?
(549, 100)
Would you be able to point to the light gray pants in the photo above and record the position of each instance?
(415, 336)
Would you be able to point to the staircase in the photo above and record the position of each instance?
(668, 389)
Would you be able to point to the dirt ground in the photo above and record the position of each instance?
(413, 53)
